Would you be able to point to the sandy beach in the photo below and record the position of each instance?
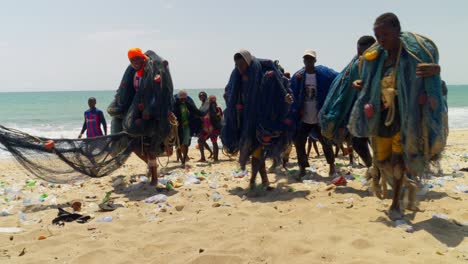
(219, 221)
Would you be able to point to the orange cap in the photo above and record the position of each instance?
(135, 52)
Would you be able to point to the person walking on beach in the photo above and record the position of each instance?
(185, 111)
(93, 120)
(400, 106)
(143, 108)
(211, 127)
(205, 105)
(310, 86)
(257, 105)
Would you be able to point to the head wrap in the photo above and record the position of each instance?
(245, 55)
(135, 52)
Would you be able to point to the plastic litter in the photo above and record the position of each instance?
(461, 188)
(158, 198)
(239, 173)
(216, 197)
(10, 230)
(31, 183)
(339, 181)
(6, 211)
(143, 179)
(104, 219)
(213, 185)
(403, 225)
(440, 216)
(456, 167)
(319, 206)
(192, 179)
(310, 182)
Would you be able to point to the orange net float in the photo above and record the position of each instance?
(49, 144)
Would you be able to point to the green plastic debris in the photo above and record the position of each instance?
(106, 198)
(44, 195)
(31, 183)
(339, 164)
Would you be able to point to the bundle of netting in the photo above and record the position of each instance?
(140, 121)
(256, 110)
(67, 160)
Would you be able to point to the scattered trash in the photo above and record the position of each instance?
(119, 181)
(216, 197)
(403, 225)
(339, 181)
(41, 237)
(213, 185)
(461, 188)
(310, 182)
(22, 252)
(440, 216)
(179, 208)
(456, 167)
(216, 205)
(158, 198)
(31, 183)
(192, 179)
(6, 211)
(239, 173)
(64, 216)
(319, 206)
(143, 179)
(104, 219)
(10, 230)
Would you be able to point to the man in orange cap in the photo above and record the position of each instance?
(143, 107)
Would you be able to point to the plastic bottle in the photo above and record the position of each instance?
(158, 198)
(105, 219)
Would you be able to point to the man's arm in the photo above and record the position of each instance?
(83, 129)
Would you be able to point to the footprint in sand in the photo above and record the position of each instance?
(361, 244)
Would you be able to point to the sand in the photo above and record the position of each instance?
(296, 223)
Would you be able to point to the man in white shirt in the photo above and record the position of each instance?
(310, 87)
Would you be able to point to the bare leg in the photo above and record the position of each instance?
(215, 151)
(255, 170)
(314, 142)
(264, 175)
(209, 149)
(309, 146)
(395, 209)
(201, 146)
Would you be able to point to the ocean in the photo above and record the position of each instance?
(60, 114)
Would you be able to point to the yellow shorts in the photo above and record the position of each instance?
(258, 153)
(384, 147)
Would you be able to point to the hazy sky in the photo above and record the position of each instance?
(82, 45)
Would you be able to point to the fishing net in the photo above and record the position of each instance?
(67, 160)
(140, 121)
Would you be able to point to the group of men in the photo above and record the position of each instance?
(389, 96)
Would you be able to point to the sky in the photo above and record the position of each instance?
(67, 45)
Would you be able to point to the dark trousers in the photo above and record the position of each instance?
(300, 142)
(361, 146)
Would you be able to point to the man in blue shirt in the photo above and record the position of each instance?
(93, 119)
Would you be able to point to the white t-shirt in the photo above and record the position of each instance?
(310, 104)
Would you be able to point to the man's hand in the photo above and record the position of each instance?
(427, 69)
(171, 117)
(289, 99)
(80, 135)
(357, 85)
